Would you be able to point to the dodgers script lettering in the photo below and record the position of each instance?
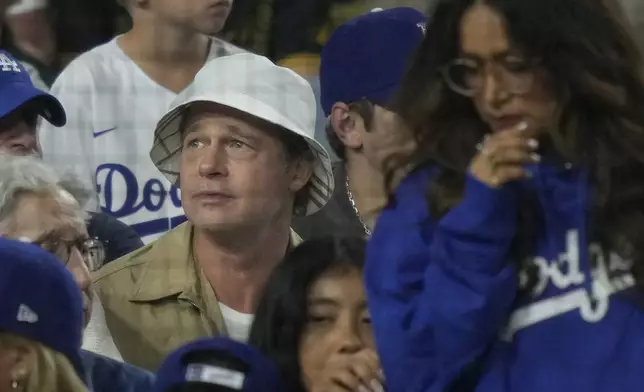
(151, 196)
(587, 293)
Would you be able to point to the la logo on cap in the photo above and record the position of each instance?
(7, 64)
(26, 315)
(423, 27)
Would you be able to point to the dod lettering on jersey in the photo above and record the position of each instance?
(150, 196)
(609, 274)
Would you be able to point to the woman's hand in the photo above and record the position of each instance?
(359, 372)
(502, 155)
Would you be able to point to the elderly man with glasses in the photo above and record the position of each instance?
(39, 207)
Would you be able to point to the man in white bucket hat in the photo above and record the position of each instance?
(239, 144)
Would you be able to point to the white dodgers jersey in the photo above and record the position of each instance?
(112, 110)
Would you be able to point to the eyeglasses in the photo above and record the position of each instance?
(467, 77)
(91, 249)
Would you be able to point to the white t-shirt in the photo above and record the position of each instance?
(96, 337)
(238, 324)
(112, 110)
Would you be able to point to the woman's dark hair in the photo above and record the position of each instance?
(214, 358)
(283, 311)
(595, 69)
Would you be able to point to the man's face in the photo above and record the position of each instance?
(18, 134)
(386, 137)
(205, 16)
(54, 222)
(234, 173)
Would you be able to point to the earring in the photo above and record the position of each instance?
(21, 373)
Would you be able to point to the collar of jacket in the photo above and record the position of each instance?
(170, 269)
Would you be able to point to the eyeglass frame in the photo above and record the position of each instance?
(81, 244)
(498, 70)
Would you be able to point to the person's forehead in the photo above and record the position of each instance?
(333, 284)
(483, 32)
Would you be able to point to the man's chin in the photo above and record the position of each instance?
(213, 29)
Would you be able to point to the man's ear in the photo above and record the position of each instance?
(346, 125)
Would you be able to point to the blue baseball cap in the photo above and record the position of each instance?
(262, 374)
(17, 89)
(40, 300)
(366, 58)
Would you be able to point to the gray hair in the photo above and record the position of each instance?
(28, 173)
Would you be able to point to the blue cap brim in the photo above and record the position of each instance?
(381, 98)
(45, 105)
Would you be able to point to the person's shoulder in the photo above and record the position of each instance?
(221, 48)
(408, 203)
(417, 181)
(91, 66)
(126, 270)
(107, 374)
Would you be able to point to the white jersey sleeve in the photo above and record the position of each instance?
(67, 148)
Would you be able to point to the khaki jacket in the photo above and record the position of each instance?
(156, 299)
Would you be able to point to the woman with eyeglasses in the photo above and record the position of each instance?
(512, 257)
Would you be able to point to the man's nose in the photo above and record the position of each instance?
(213, 162)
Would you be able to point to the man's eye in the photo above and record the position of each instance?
(194, 143)
(236, 144)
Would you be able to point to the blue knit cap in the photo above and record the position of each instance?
(40, 301)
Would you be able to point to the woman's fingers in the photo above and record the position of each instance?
(502, 156)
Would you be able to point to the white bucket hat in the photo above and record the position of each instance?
(251, 84)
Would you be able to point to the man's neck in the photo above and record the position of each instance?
(366, 185)
(238, 266)
(171, 56)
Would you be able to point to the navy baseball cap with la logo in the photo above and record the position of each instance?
(367, 57)
(17, 90)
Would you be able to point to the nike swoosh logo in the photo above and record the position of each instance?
(99, 133)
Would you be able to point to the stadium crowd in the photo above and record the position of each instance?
(321, 195)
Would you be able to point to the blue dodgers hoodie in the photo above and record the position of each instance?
(443, 293)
